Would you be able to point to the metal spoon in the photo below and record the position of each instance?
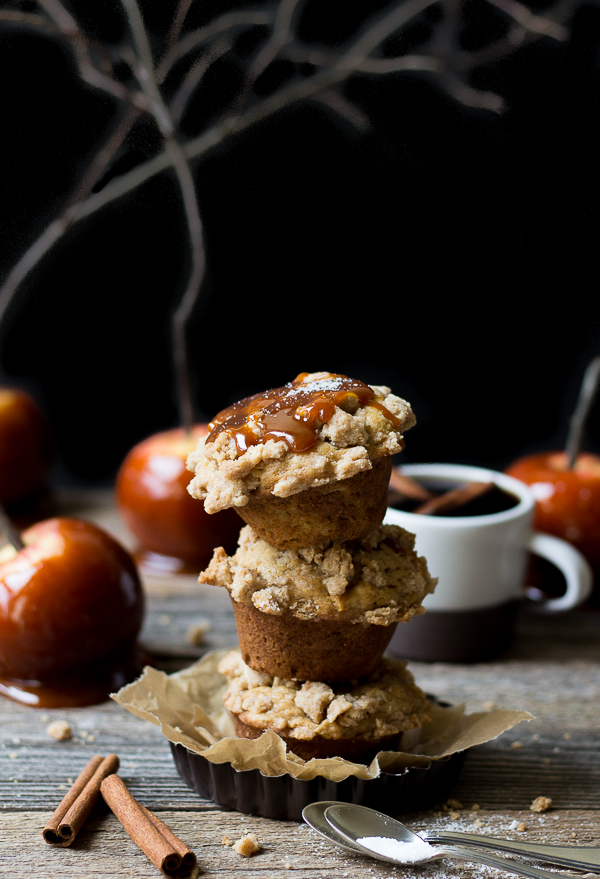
(382, 837)
(579, 857)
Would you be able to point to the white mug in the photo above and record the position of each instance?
(480, 562)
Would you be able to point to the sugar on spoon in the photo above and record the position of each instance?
(365, 830)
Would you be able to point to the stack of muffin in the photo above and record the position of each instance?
(318, 583)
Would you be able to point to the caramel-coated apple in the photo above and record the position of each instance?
(24, 446)
(71, 608)
(173, 530)
(567, 500)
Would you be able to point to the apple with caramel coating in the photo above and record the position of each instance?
(24, 446)
(567, 500)
(71, 608)
(174, 531)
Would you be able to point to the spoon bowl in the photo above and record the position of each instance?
(314, 815)
(378, 835)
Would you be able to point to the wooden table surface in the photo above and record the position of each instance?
(552, 671)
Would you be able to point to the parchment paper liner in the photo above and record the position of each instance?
(188, 708)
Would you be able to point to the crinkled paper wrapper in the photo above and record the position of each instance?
(188, 707)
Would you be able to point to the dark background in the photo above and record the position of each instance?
(450, 253)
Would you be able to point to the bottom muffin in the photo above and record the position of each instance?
(317, 720)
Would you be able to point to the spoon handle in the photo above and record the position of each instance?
(519, 868)
(587, 857)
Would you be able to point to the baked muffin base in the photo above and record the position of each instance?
(356, 750)
(344, 510)
(309, 650)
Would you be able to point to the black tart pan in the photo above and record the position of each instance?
(283, 797)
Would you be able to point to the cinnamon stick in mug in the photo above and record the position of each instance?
(149, 833)
(455, 498)
(76, 805)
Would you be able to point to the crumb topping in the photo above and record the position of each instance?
(346, 444)
(60, 730)
(388, 704)
(541, 804)
(377, 579)
(247, 845)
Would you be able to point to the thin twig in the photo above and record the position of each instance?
(194, 76)
(56, 229)
(344, 108)
(9, 530)
(281, 34)
(358, 57)
(192, 213)
(587, 395)
(196, 38)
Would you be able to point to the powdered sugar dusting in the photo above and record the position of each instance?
(407, 852)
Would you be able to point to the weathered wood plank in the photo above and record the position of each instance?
(103, 849)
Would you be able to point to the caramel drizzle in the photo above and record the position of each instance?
(293, 412)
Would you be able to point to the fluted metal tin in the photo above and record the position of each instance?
(283, 796)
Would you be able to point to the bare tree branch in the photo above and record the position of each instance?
(281, 34)
(195, 39)
(537, 24)
(346, 109)
(191, 209)
(363, 55)
(194, 76)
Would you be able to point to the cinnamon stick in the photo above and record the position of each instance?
(76, 805)
(408, 487)
(155, 839)
(455, 498)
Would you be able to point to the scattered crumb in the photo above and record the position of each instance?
(226, 841)
(455, 804)
(489, 705)
(454, 815)
(196, 634)
(59, 730)
(164, 619)
(247, 845)
(13, 755)
(567, 736)
(546, 759)
(556, 750)
(520, 828)
(475, 807)
(535, 737)
(479, 823)
(45, 718)
(287, 866)
(573, 834)
(516, 744)
(541, 804)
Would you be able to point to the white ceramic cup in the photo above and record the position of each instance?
(480, 562)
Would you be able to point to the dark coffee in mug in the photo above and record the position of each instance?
(496, 500)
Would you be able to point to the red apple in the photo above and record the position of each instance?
(174, 531)
(71, 608)
(24, 446)
(567, 501)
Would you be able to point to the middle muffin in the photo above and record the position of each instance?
(322, 613)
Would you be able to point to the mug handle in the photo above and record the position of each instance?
(571, 563)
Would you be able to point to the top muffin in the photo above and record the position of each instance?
(314, 431)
